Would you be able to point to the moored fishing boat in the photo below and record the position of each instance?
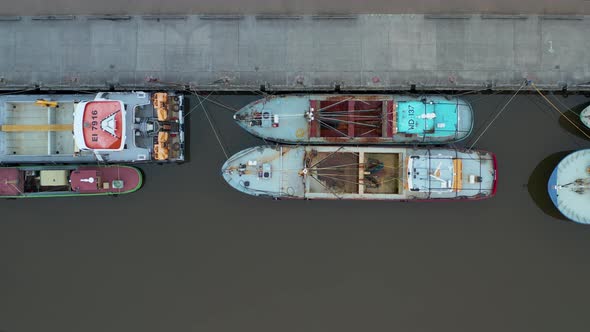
(358, 119)
(363, 173)
(111, 127)
(68, 180)
(569, 186)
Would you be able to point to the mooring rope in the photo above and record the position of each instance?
(498, 114)
(560, 112)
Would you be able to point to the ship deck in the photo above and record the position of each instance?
(571, 198)
(54, 181)
(373, 173)
(295, 53)
(389, 173)
(29, 129)
(43, 133)
(357, 119)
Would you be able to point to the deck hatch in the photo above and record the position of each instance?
(348, 118)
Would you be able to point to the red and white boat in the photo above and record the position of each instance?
(111, 127)
(68, 180)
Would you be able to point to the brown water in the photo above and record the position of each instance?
(188, 253)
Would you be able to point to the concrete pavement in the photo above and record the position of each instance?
(287, 53)
(56, 7)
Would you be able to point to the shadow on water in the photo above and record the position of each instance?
(574, 116)
(537, 185)
(187, 131)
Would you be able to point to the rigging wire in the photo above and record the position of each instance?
(346, 112)
(212, 127)
(348, 165)
(220, 104)
(201, 101)
(350, 115)
(561, 103)
(332, 105)
(366, 132)
(214, 101)
(326, 187)
(329, 126)
(349, 122)
(546, 109)
(326, 157)
(337, 175)
(560, 112)
(217, 102)
(185, 87)
(497, 115)
(339, 179)
(10, 182)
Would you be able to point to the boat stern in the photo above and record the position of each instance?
(495, 174)
(435, 119)
(476, 173)
(105, 180)
(464, 119)
(486, 182)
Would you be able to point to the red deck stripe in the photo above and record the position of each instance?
(351, 118)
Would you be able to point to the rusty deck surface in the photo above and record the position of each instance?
(287, 53)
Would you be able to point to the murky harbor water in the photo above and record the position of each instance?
(187, 252)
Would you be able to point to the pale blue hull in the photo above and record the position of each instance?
(362, 173)
(358, 119)
(569, 186)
